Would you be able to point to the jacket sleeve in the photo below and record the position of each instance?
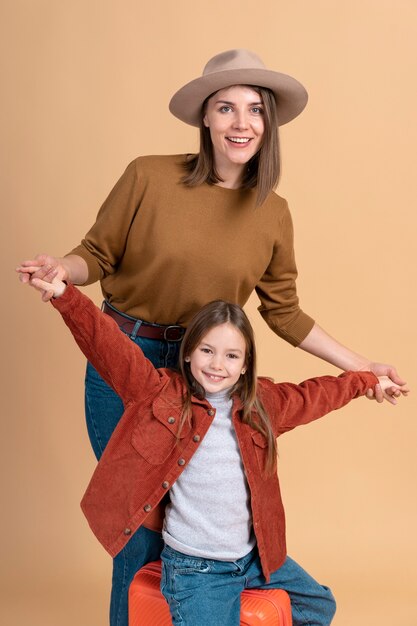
(289, 405)
(105, 242)
(277, 289)
(118, 360)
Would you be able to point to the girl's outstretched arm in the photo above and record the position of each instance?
(119, 360)
(290, 405)
(319, 343)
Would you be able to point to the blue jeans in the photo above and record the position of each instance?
(103, 411)
(203, 591)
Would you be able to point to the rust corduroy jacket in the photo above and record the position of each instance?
(144, 457)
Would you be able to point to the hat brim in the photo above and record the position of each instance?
(290, 95)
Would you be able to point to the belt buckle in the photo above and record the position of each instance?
(167, 330)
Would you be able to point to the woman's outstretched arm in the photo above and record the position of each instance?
(319, 343)
(118, 360)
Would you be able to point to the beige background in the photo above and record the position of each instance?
(85, 89)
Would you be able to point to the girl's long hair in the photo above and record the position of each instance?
(262, 171)
(211, 315)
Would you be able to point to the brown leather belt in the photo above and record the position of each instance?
(143, 329)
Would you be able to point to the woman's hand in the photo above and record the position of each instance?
(46, 280)
(389, 372)
(34, 268)
(389, 391)
(72, 268)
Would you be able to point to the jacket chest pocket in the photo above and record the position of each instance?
(155, 437)
(260, 445)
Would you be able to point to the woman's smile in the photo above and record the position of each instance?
(243, 141)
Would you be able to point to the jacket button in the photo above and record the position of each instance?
(171, 420)
(210, 412)
(181, 461)
(165, 484)
(147, 507)
(196, 438)
(127, 531)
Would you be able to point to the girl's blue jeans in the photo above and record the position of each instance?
(103, 411)
(207, 592)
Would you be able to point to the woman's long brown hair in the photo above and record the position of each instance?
(262, 170)
(211, 315)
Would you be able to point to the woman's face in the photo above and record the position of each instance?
(235, 119)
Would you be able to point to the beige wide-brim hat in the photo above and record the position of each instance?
(238, 67)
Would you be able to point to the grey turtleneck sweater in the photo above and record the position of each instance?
(209, 514)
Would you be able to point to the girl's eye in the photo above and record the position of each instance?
(206, 350)
(233, 356)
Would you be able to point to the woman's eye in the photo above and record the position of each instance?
(225, 109)
(257, 110)
(206, 350)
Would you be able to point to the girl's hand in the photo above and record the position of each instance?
(387, 371)
(389, 391)
(35, 268)
(46, 280)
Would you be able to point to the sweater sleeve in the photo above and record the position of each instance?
(105, 243)
(277, 289)
(119, 360)
(289, 405)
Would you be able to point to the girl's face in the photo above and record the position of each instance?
(235, 118)
(218, 361)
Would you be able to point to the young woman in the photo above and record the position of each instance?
(179, 231)
(207, 435)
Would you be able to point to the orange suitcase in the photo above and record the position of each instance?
(147, 606)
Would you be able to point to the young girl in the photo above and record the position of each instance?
(207, 437)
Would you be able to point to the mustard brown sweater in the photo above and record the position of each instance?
(162, 250)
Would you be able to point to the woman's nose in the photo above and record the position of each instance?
(241, 120)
